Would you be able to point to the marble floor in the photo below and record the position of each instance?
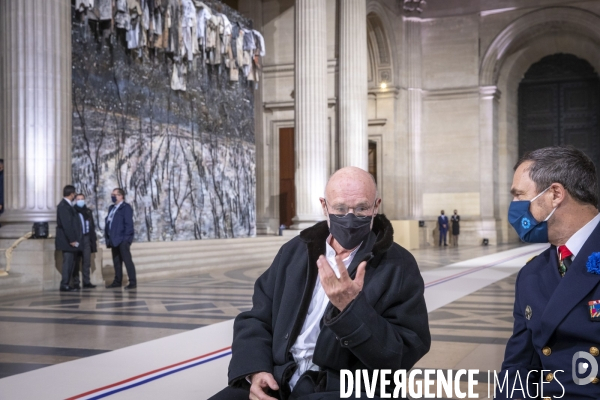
(51, 327)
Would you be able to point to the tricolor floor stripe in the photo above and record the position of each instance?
(135, 381)
(162, 369)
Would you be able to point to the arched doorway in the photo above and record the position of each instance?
(559, 104)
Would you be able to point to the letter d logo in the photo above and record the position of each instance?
(583, 367)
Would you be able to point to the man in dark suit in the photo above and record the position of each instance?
(68, 235)
(341, 295)
(556, 337)
(88, 244)
(118, 229)
(443, 227)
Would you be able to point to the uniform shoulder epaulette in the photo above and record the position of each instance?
(530, 260)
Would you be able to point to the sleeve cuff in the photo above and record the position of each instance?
(348, 326)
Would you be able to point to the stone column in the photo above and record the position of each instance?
(489, 97)
(413, 41)
(35, 109)
(312, 136)
(353, 88)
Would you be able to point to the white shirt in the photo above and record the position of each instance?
(304, 347)
(576, 242)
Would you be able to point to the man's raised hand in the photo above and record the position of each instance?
(340, 291)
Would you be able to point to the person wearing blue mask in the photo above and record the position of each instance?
(118, 232)
(557, 295)
(341, 295)
(88, 244)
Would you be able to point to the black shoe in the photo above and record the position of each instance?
(445, 244)
(67, 289)
(88, 286)
(130, 286)
(113, 285)
(76, 287)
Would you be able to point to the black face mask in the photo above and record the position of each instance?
(349, 230)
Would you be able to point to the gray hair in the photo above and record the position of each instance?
(565, 165)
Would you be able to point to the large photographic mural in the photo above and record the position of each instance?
(186, 159)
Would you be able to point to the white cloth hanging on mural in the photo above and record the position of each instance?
(178, 77)
(134, 35)
(213, 38)
(249, 47)
(225, 39)
(237, 56)
(83, 5)
(122, 17)
(104, 8)
(189, 26)
(203, 14)
(260, 43)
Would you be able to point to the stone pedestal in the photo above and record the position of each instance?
(353, 120)
(35, 110)
(312, 136)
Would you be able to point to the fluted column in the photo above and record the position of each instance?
(312, 137)
(353, 120)
(413, 38)
(35, 108)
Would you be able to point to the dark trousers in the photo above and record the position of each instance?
(122, 254)
(443, 236)
(67, 267)
(84, 257)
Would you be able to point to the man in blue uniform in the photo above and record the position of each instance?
(554, 349)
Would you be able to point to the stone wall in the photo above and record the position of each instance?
(186, 159)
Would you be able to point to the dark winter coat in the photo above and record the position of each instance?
(386, 325)
(89, 216)
(68, 227)
(455, 224)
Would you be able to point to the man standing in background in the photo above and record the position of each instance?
(88, 244)
(68, 235)
(118, 229)
(443, 227)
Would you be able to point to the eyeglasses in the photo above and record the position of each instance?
(342, 210)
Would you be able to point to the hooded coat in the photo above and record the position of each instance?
(385, 326)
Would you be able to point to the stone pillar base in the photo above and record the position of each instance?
(36, 266)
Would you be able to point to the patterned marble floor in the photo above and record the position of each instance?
(52, 327)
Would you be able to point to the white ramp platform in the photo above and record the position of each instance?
(193, 365)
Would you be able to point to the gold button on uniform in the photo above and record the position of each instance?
(595, 380)
(549, 377)
(594, 351)
(547, 351)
